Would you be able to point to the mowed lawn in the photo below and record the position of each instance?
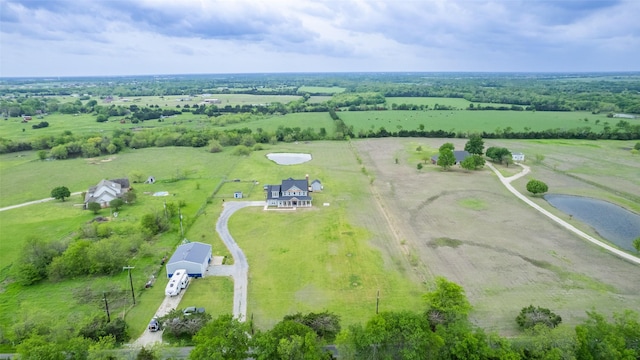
(318, 259)
(471, 121)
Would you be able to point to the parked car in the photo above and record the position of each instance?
(154, 325)
(193, 310)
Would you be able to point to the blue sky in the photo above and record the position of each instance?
(129, 37)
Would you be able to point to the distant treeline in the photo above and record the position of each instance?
(598, 92)
(68, 145)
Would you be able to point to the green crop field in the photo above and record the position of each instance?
(314, 120)
(457, 103)
(471, 121)
(320, 89)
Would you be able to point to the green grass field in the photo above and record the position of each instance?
(470, 121)
(458, 103)
(325, 258)
(321, 89)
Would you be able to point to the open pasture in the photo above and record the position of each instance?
(25, 178)
(471, 121)
(171, 101)
(314, 120)
(86, 124)
(467, 227)
(388, 227)
(320, 89)
(456, 103)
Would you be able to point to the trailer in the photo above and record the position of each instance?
(179, 280)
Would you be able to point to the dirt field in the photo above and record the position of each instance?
(467, 227)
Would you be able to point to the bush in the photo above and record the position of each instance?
(537, 187)
(531, 316)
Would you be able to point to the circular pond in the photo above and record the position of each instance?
(289, 158)
(612, 222)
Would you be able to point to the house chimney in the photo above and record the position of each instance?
(307, 177)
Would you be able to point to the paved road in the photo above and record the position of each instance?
(33, 202)
(169, 303)
(507, 183)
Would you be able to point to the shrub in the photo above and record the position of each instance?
(537, 187)
(531, 316)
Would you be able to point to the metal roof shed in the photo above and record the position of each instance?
(193, 256)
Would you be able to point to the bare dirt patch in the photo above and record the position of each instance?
(505, 254)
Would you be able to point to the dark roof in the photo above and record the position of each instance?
(316, 181)
(124, 182)
(195, 252)
(290, 183)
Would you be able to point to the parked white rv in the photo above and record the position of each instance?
(179, 280)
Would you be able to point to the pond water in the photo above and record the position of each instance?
(289, 158)
(614, 223)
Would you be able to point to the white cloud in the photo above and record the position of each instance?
(200, 36)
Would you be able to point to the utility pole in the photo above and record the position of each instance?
(131, 282)
(106, 306)
(181, 229)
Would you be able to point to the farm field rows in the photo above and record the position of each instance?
(467, 227)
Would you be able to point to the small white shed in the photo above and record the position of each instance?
(517, 156)
(237, 195)
(193, 257)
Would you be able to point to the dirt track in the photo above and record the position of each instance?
(467, 227)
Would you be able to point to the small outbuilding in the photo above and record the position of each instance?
(517, 156)
(237, 195)
(193, 257)
(316, 186)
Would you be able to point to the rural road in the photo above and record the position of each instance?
(507, 183)
(33, 202)
(240, 270)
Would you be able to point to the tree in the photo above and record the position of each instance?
(34, 258)
(446, 146)
(42, 154)
(60, 193)
(116, 204)
(531, 316)
(390, 335)
(94, 206)
(475, 145)
(129, 197)
(288, 339)
(180, 325)
(446, 304)
(446, 159)
(223, 338)
(537, 187)
(498, 154)
(325, 324)
(136, 176)
(599, 339)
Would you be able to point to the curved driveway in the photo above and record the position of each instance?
(240, 270)
(507, 183)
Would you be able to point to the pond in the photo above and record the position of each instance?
(614, 223)
(289, 158)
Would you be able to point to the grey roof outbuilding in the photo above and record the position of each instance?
(193, 256)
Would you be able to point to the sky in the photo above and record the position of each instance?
(153, 37)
